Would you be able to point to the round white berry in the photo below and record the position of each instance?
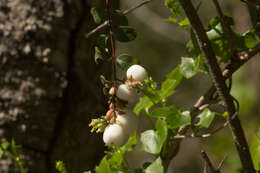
(136, 72)
(114, 135)
(128, 121)
(127, 94)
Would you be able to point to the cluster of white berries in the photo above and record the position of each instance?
(126, 122)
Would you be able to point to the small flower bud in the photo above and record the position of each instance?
(111, 106)
(112, 91)
(110, 114)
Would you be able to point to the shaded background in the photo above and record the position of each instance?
(50, 88)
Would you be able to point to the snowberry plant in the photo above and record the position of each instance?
(119, 121)
(216, 50)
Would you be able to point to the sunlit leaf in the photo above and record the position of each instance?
(5, 145)
(117, 157)
(174, 117)
(143, 103)
(152, 141)
(61, 167)
(1, 153)
(255, 150)
(189, 68)
(174, 6)
(250, 39)
(155, 167)
(172, 81)
(206, 117)
(104, 167)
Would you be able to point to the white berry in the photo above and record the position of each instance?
(127, 94)
(114, 135)
(128, 121)
(136, 72)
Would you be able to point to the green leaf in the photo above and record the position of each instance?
(119, 18)
(206, 117)
(165, 111)
(3, 148)
(216, 32)
(61, 167)
(173, 116)
(255, 151)
(219, 38)
(103, 167)
(193, 45)
(150, 83)
(125, 33)
(216, 21)
(172, 19)
(172, 81)
(174, 7)
(5, 145)
(98, 55)
(152, 96)
(125, 61)
(185, 22)
(1, 153)
(152, 141)
(102, 40)
(15, 148)
(155, 167)
(98, 14)
(143, 103)
(117, 157)
(189, 68)
(250, 39)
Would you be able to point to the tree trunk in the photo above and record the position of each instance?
(49, 84)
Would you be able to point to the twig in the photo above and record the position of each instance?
(207, 160)
(135, 7)
(207, 134)
(93, 31)
(227, 72)
(229, 69)
(111, 36)
(221, 163)
(205, 167)
(219, 82)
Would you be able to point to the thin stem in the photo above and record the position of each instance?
(112, 41)
(207, 160)
(219, 82)
(93, 31)
(16, 159)
(207, 134)
(221, 163)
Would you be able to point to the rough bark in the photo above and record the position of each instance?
(49, 84)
